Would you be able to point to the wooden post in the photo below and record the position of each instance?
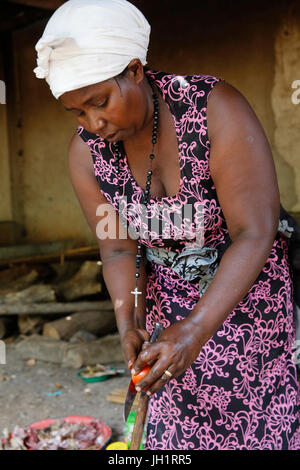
(14, 128)
(55, 307)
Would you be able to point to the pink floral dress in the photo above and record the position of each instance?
(242, 391)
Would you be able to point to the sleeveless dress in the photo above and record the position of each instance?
(242, 391)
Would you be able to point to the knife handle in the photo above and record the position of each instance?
(139, 423)
(156, 332)
(141, 413)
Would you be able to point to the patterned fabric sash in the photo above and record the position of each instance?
(190, 264)
(202, 263)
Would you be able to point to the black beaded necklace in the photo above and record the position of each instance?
(118, 155)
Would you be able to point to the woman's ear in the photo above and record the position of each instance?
(135, 70)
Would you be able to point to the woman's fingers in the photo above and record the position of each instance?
(162, 381)
(157, 355)
(144, 335)
(132, 345)
(156, 378)
(175, 350)
(146, 356)
(145, 345)
(129, 352)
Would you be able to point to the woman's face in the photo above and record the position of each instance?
(114, 109)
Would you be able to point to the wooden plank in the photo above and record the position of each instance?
(76, 253)
(44, 4)
(34, 249)
(118, 395)
(55, 307)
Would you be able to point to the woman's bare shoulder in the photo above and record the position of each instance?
(79, 154)
(227, 105)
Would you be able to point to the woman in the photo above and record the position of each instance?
(222, 373)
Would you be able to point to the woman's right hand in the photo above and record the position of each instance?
(133, 341)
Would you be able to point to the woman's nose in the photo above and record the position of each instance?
(96, 125)
(100, 124)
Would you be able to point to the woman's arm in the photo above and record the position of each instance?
(242, 168)
(117, 255)
(243, 172)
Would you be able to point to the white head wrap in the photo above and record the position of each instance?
(89, 41)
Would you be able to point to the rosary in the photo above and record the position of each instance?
(136, 292)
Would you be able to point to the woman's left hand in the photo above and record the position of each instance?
(174, 351)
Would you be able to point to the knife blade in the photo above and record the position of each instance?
(131, 393)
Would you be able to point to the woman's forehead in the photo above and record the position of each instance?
(85, 94)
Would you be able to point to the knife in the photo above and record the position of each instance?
(131, 393)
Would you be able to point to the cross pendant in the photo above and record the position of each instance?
(135, 292)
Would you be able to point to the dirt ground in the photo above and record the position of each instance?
(24, 399)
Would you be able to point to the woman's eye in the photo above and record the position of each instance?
(101, 105)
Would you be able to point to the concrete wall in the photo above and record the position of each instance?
(286, 106)
(50, 206)
(254, 46)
